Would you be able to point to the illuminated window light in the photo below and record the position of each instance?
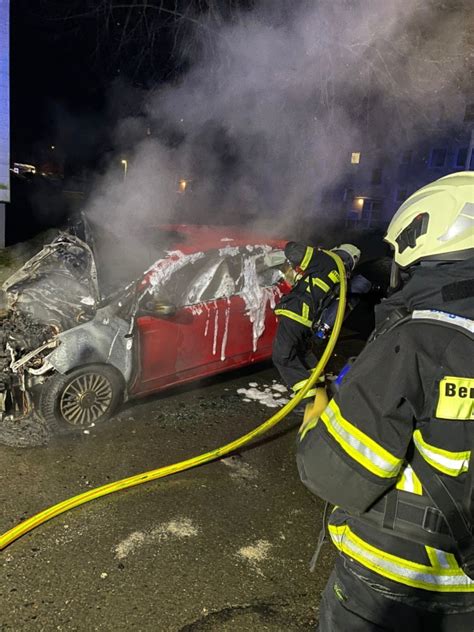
(355, 157)
(358, 204)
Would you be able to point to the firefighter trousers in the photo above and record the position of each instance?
(291, 354)
(349, 604)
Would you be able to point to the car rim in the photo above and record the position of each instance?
(85, 399)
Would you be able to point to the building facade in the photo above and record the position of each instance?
(379, 181)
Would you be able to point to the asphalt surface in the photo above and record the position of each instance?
(223, 547)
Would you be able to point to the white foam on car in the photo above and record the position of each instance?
(207, 320)
(162, 271)
(256, 297)
(216, 329)
(226, 331)
(229, 251)
(226, 287)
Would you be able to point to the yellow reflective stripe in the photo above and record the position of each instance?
(307, 257)
(367, 452)
(442, 577)
(305, 311)
(334, 276)
(441, 559)
(321, 284)
(450, 463)
(293, 316)
(409, 481)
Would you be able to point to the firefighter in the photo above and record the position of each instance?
(394, 448)
(316, 287)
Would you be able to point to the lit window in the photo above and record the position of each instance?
(358, 204)
(355, 157)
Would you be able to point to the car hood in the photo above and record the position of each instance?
(57, 287)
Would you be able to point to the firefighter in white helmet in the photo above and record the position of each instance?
(394, 449)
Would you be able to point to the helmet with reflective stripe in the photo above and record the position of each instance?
(349, 253)
(436, 222)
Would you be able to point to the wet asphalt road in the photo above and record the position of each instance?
(223, 547)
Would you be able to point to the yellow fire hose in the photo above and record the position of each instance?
(55, 510)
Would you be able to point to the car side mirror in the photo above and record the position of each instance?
(157, 308)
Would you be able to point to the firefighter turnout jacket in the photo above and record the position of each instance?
(297, 311)
(403, 418)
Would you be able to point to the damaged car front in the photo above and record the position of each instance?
(87, 323)
(53, 293)
(66, 339)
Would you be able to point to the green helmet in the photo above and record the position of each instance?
(436, 222)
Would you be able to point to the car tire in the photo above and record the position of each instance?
(80, 399)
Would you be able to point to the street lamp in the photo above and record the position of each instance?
(125, 167)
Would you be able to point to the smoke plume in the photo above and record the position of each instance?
(263, 123)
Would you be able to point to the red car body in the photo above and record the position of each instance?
(91, 324)
(208, 336)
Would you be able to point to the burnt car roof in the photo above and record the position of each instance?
(120, 259)
(191, 238)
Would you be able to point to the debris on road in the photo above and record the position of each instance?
(270, 396)
(180, 528)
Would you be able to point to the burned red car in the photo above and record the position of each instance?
(81, 332)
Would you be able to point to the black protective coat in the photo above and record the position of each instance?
(391, 391)
(291, 354)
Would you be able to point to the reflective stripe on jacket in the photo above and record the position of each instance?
(410, 389)
(320, 277)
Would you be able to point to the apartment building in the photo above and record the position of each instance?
(380, 180)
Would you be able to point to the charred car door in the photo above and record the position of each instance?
(223, 305)
(191, 341)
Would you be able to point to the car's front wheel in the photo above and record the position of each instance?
(82, 398)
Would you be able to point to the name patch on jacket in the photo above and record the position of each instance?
(456, 398)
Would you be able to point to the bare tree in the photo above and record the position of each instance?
(152, 38)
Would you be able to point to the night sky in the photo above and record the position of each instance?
(49, 67)
(63, 68)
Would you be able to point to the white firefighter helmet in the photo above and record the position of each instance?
(351, 250)
(436, 222)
